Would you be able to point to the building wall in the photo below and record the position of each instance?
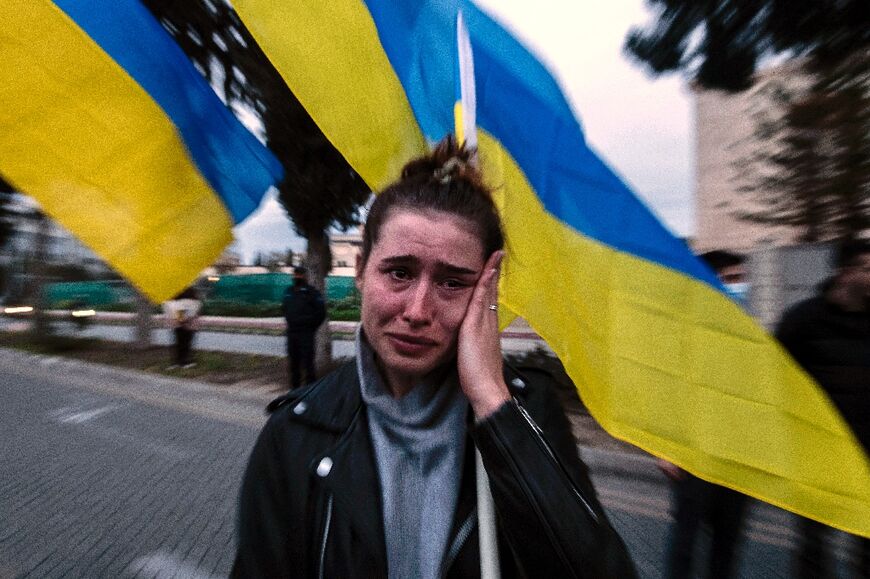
(345, 247)
(779, 277)
(724, 127)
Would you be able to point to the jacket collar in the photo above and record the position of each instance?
(330, 403)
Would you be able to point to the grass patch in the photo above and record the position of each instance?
(214, 367)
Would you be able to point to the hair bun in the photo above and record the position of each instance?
(448, 162)
(445, 180)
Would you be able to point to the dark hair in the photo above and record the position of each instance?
(300, 270)
(719, 259)
(849, 252)
(444, 180)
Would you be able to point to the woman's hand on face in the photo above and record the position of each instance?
(479, 348)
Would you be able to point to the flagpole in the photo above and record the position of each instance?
(465, 121)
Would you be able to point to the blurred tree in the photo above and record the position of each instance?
(718, 43)
(320, 189)
(812, 168)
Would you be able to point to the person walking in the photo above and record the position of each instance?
(829, 336)
(304, 311)
(182, 313)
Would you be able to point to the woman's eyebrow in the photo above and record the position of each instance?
(439, 265)
(455, 269)
(400, 260)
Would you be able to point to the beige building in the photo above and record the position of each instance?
(345, 247)
(724, 128)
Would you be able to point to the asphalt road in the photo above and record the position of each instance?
(108, 475)
(112, 473)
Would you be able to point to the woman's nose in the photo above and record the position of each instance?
(419, 306)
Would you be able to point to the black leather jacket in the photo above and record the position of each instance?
(310, 500)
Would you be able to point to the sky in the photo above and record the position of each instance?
(640, 126)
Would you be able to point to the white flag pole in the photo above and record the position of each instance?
(465, 120)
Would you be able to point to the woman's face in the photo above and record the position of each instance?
(416, 286)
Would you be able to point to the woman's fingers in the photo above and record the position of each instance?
(479, 354)
(486, 292)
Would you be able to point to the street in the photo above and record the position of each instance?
(109, 479)
(111, 473)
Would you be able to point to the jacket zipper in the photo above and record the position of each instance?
(458, 542)
(325, 537)
(543, 442)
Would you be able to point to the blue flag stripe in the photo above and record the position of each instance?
(521, 105)
(231, 159)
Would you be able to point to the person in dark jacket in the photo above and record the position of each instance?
(425, 456)
(829, 336)
(304, 311)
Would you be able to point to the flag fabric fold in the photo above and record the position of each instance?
(106, 123)
(660, 355)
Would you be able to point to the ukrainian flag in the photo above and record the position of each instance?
(661, 356)
(105, 122)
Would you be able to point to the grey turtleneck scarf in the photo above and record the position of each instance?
(419, 444)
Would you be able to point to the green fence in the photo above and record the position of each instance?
(256, 289)
(90, 293)
(270, 287)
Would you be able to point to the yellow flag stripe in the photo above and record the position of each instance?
(330, 56)
(661, 360)
(102, 158)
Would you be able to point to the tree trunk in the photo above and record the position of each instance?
(41, 328)
(143, 322)
(319, 263)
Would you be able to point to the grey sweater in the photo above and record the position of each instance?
(419, 444)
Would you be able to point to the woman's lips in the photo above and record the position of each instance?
(410, 345)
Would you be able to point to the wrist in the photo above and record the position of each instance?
(488, 400)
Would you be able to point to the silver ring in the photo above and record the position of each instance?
(493, 307)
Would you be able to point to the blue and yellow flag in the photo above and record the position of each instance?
(105, 122)
(661, 356)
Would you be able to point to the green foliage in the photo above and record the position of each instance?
(243, 310)
(345, 309)
(129, 307)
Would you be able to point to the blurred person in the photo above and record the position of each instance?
(829, 336)
(371, 472)
(304, 311)
(182, 314)
(696, 502)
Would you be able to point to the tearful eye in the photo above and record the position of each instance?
(398, 274)
(453, 284)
